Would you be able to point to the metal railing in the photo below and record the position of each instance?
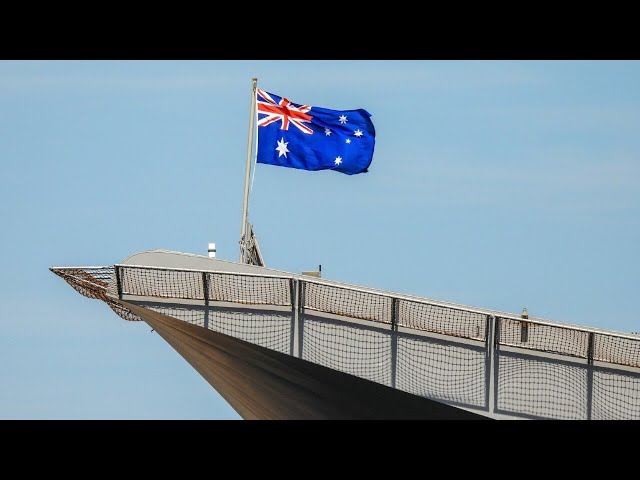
(467, 356)
(386, 308)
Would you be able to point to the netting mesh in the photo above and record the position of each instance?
(441, 319)
(149, 282)
(123, 312)
(545, 338)
(94, 283)
(363, 352)
(623, 351)
(89, 282)
(616, 395)
(541, 388)
(192, 285)
(268, 329)
(249, 290)
(426, 367)
(442, 370)
(347, 302)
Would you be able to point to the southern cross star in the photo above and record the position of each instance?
(282, 148)
(358, 133)
(338, 160)
(343, 119)
(327, 132)
(348, 140)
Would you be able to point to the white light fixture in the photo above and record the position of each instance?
(212, 250)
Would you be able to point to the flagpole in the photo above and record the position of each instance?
(245, 208)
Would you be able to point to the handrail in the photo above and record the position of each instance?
(372, 291)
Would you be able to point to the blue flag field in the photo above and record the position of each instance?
(313, 138)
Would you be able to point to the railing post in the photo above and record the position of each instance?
(205, 288)
(489, 372)
(394, 340)
(524, 332)
(590, 354)
(495, 370)
(205, 294)
(118, 282)
(301, 301)
(293, 291)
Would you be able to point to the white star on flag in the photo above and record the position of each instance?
(358, 133)
(282, 148)
(338, 160)
(327, 132)
(343, 119)
(348, 140)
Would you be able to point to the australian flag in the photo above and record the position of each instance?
(313, 138)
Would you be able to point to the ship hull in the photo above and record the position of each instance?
(263, 384)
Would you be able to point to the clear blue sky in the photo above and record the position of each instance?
(498, 184)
